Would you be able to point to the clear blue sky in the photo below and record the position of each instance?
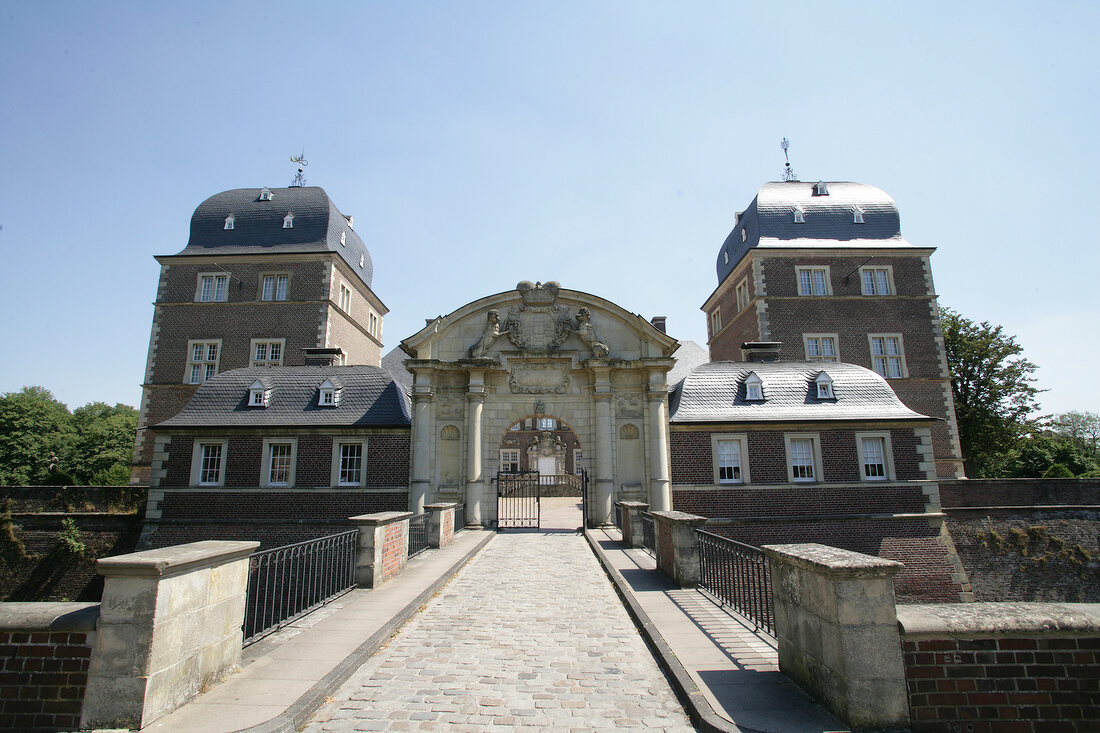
(606, 145)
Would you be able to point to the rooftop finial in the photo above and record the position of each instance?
(299, 179)
(788, 172)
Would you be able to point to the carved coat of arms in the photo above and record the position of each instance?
(540, 323)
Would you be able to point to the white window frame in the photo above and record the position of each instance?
(265, 468)
(725, 257)
(754, 388)
(577, 455)
(258, 394)
(546, 423)
(815, 458)
(857, 215)
(279, 289)
(266, 195)
(824, 384)
(328, 394)
(207, 367)
(887, 456)
(799, 215)
(811, 269)
(267, 360)
(372, 324)
(811, 341)
(345, 298)
(744, 234)
(886, 357)
(337, 461)
(211, 296)
(230, 222)
(343, 239)
(288, 220)
(740, 441)
(876, 287)
(197, 451)
(742, 294)
(509, 456)
(820, 189)
(715, 321)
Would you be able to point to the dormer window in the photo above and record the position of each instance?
(230, 222)
(754, 388)
(744, 234)
(258, 394)
(361, 260)
(288, 221)
(725, 258)
(857, 215)
(824, 387)
(343, 239)
(820, 189)
(266, 195)
(799, 215)
(351, 222)
(328, 394)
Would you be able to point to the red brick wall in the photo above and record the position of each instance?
(1003, 685)
(1020, 492)
(43, 675)
(800, 501)
(395, 545)
(388, 460)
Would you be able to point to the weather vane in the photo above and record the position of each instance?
(299, 177)
(788, 173)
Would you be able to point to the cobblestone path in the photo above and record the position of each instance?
(530, 633)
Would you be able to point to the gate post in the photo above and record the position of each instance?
(677, 548)
(441, 523)
(383, 547)
(632, 522)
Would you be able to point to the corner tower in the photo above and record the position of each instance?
(268, 276)
(822, 267)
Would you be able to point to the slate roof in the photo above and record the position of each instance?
(369, 397)
(688, 356)
(258, 226)
(715, 392)
(829, 220)
(394, 363)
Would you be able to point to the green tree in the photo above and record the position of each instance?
(36, 432)
(1036, 454)
(993, 389)
(1081, 427)
(104, 440)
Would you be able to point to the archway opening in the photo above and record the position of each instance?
(548, 445)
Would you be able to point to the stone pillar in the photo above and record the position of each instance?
(677, 547)
(420, 482)
(169, 626)
(441, 523)
(605, 483)
(660, 492)
(475, 482)
(632, 521)
(383, 547)
(837, 627)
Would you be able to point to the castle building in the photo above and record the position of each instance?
(822, 268)
(269, 277)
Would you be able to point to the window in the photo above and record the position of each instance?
(288, 221)
(267, 353)
(362, 259)
(202, 360)
(275, 287)
(744, 234)
(824, 387)
(715, 322)
(230, 222)
(547, 423)
(857, 215)
(509, 461)
(266, 195)
(730, 466)
(799, 215)
(343, 239)
(725, 257)
(351, 464)
(876, 280)
(208, 462)
(742, 294)
(803, 458)
(813, 281)
(874, 456)
(372, 325)
(887, 356)
(754, 388)
(345, 298)
(328, 394)
(212, 288)
(278, 462)
(577, 467)
(258, 394)
(820, 189)
(820, 346)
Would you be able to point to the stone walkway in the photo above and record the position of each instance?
(530, 633)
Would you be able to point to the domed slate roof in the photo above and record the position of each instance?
(828, 220)
(715, 392)
(258, 226)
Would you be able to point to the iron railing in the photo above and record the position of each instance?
(418, 534)
(737, 574)
(460, 517)
(649, 534)
(285, 583)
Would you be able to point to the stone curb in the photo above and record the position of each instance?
(699, 709)
(302, 709)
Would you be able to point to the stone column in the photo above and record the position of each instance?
(632, 522)
(475, 483)
(441, 523)
(169, 625)
(383, 547)
(837, 628)
(420, 483)
(605, 482)
(660, 493)
(677, 547)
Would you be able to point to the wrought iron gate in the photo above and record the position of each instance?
(518, 500)
(584, 499)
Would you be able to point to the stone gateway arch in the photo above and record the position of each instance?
(545, 351)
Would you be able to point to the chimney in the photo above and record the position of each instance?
(322, 357)
(760, 351)
(659, 323)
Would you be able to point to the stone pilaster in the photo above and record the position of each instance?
(475, 481)
(660, 491)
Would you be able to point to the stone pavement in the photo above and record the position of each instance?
(530, 633)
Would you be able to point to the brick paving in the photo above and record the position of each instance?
(529, 634)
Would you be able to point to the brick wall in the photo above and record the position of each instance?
(1020, 492)
(394, 548)
(743, 502)
(1011, 684)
